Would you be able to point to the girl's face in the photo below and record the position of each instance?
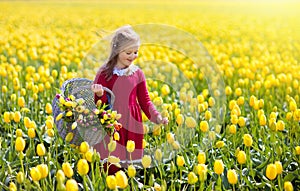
(126, 57)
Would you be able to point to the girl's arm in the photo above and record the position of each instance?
(100, 79)
(145, 102)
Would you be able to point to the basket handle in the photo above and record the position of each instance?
(112, 95)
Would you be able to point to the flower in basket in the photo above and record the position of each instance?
(77, 114)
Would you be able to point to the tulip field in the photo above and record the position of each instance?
(225, 73)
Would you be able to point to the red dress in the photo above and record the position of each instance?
(131, 96)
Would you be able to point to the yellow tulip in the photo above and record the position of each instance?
(234, 119)
(280, 125)
(201, 170)
(204, 126)
(131, 171)
(113, 159)
(207, 115)
(130, 146)
(242, 121)
(218, 166)
(238, 91)
(228, 90)
(40, 149)
(60, 176)
(49, 123)
(272, 124)
(144, 144)
(241, 100)
(82, 167)
(241, 157)
(158, 154)
(31, 133)
(192, 178)
(43, 168)
(20, 177)
(12, 186)
(84, 147)
(201, 157)
(271, 171)
(35, 174)
(111, 182)
(297, 149)
(190, 122)
(48, 108)
(180, 160)
(21, 102)
(289, 116)
(170, 137)
(20, 144)
(146, 161)
(179, 119)
(262, 120)
(89, 156)
(4, 89)
(288, 186)
(211, 101)
(71, 185)
(165, 90)
(112, 145)
(32, 124)
(292, 105)
(67, 169)
(200, 98)
(232, 129)
(50, 132)
(6, 117)
(116, 136)
(59, 116)
(220, 144)
(121, 179)
(27, 122)
(19, 133)
(69, 137)
(201, 107)
(17, 116)
(69, 113)
(278, 167)
(232, 176)
(158, 101)
(252, 100)
(13, 97)
(68, 103)
(248, 140)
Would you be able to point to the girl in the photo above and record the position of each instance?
(127, 82)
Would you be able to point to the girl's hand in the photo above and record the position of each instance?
(97, 89)
(161, 120)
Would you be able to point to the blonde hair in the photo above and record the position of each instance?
(124, 37)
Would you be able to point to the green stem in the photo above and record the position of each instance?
(84, 183)
(144, 176)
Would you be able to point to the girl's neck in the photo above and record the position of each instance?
(121, 67)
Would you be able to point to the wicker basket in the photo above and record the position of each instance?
(80, 88)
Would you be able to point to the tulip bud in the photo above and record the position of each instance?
(232, 176)
(71, 185)
(271, 171)
(122, 180)
(218, 167)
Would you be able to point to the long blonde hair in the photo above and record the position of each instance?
(124, 37)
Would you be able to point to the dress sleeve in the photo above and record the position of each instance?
(100, 79)
(144, 99)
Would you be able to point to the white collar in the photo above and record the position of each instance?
(126, 71)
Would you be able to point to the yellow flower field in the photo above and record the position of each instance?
(228, 81)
